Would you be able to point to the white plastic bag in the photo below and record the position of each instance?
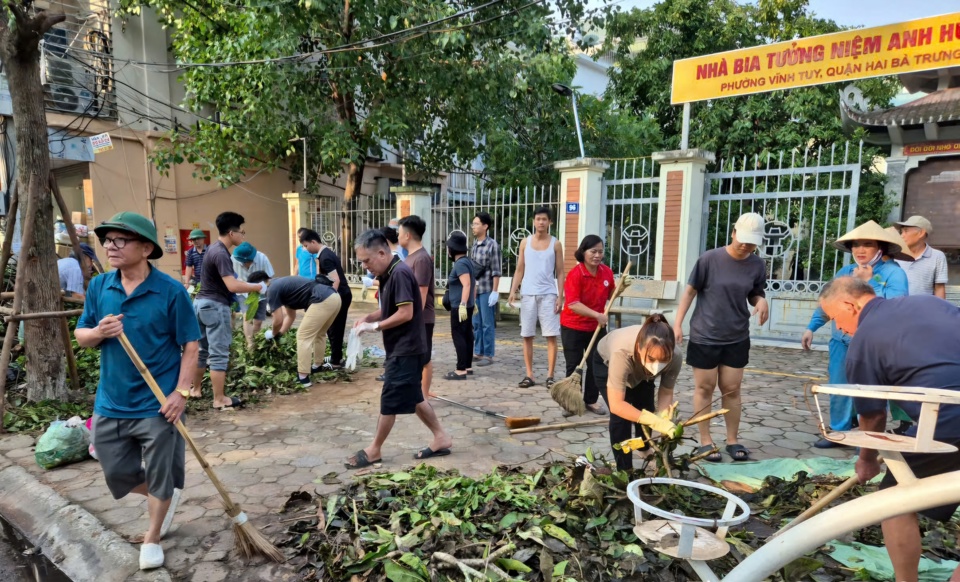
(354, 350)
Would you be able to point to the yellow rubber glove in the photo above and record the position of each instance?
(462, 312)
(656, 423)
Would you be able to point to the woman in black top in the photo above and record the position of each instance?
(461, 289)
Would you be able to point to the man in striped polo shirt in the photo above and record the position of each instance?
(927, 274)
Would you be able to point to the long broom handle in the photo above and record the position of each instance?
(468, 407)
(621, 285)
(823, 502)
(559, 426)
(155, 388)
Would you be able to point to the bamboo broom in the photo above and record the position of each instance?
(249, 541)
(566, 392)
(511, 421)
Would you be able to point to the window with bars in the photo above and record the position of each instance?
(76, 66)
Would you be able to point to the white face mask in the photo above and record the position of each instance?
(654, 367)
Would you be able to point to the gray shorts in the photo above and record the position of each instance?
(540, 308)
(216, 333)
(123, 443)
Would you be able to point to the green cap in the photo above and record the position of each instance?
(196, 233)
(135, 224)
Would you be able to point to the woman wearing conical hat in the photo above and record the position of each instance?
(873, 250)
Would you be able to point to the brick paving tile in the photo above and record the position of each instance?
(265, 452)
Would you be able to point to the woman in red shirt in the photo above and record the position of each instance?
(587, 289)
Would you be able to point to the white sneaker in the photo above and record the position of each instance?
(151, 556)
(168, 518)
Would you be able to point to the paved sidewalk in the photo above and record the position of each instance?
(264, 453)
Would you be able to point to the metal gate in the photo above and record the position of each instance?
(631, 190)
(327, 217)
(809, 199)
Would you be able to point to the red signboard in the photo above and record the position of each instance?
(932, 147)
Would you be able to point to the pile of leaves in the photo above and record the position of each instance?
(562, 523)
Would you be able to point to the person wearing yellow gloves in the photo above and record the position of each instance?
(461, 287)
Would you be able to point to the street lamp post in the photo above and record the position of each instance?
(567, 91)
(304, 159)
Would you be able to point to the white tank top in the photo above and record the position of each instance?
(539, 269)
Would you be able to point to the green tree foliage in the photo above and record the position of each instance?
(648, 41)
(390, 70)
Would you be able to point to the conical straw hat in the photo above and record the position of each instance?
(870, 230)
(903, 255)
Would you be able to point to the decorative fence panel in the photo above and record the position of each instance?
(631, 191)
(809, 199)
(512, 212)
(328, 217)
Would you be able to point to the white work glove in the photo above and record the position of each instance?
(367, 282)
(493, 299)
(263, 288)
(268, 334)
(462, 312)
(364, 327)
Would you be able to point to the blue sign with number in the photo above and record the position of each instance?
(573, 208)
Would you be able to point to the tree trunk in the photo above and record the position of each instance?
(350, 192)
(44, 348)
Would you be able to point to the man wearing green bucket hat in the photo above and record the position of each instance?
(194, 261)
(130, 427)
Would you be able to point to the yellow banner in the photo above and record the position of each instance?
(917, 45)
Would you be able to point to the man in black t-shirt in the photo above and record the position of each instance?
(320, 304)
(218, 283)
(400, 318)
(332, 268)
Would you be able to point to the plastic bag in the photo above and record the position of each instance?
(354, 350)
(62, 444)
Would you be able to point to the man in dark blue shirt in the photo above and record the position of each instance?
(906, 341)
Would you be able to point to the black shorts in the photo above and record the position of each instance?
(928, 465)
(708, 357)
(402, 389)
(429, 355)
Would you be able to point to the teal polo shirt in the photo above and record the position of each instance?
(158, 320)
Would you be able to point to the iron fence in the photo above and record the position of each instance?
(339, 227)
(512, 212)
(631, 195)
(808, 199)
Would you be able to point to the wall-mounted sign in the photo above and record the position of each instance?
(573, 208)
(932, 147)
(917, 45)
(101, 143)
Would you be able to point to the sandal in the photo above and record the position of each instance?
(597, 408)
(714, 457)
(455, 376)
(738, 452)
(234, 403)
(427, 452)
(360, 460)
(549, 382)
(526, 382)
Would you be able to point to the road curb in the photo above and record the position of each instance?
(68, 535)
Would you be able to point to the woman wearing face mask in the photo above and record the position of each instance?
(873, 250)
(631, 359)
(586, 289)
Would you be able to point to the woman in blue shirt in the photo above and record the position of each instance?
(873, 250)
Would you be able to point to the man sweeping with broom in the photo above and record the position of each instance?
(129, 424)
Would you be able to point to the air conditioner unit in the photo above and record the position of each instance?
(69, 99)
(60, 71)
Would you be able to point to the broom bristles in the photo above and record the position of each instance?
(248, 540)
(567, 394)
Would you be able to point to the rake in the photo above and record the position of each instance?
(249, 541)
(566, 392)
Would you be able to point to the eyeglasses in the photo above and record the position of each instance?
(240, 232)
(118, 242)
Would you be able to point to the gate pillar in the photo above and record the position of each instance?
(581, 204)
(417, 200)
(298, 207)
(679, 214)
